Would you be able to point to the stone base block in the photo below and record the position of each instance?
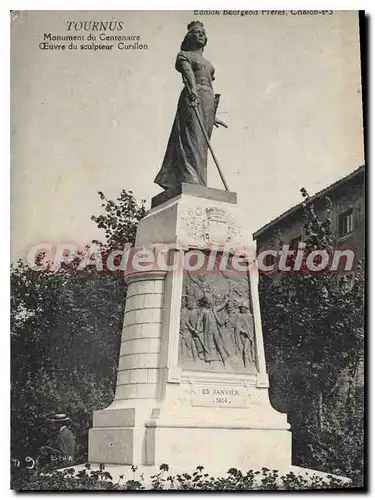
(219, 449)
(118, 445)
(118, 434)
(216, 448)
(194, 190)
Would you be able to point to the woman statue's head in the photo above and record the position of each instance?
(195, 38)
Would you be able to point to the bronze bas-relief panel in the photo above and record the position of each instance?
(216, 325)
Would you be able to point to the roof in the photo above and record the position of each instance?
(360, 170)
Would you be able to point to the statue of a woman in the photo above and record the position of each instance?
(186, 156)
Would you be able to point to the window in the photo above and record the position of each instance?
(346, 223)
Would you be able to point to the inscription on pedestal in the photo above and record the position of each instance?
(229, 397)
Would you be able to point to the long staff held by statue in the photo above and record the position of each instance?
(196, 111)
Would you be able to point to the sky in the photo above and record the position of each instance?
(84, 121)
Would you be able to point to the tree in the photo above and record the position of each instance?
(65, 334)
(314, 340)
(120, 221)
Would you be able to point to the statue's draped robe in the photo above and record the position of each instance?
(186, 155)
(213, 344)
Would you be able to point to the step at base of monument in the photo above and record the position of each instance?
(189, 447)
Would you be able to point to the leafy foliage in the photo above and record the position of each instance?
(120, 220)
(235, 480)
(314, 340)
(65, 336)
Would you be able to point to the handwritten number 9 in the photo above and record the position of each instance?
(28, 460)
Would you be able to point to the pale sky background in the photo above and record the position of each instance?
(86, 121)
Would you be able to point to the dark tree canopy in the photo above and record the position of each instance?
(314, 343)
(65, 334)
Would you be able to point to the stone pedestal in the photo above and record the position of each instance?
(192, 395)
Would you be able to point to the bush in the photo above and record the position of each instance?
(65, 336)
(100, 479)
(314, 346)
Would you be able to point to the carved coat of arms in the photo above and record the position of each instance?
(205, 227)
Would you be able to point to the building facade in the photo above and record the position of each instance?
(347, 196)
